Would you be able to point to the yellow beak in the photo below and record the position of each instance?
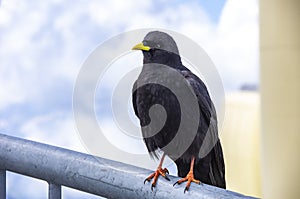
(141, 46)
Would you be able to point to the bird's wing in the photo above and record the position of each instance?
(205, 103)
(150, 144)
(134, 89)
(211, 141)
(217, 166)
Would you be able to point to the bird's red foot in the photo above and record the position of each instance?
(189, 178)
(156, 174)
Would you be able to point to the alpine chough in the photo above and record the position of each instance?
(162, 72)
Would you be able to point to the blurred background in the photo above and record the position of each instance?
(43, 45)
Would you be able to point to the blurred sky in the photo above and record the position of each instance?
(44, 43)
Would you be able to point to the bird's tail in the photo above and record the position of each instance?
(217, 166)
(209, 170)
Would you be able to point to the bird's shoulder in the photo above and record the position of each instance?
(202, 94)
(196, 83)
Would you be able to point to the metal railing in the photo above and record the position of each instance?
(102, 177)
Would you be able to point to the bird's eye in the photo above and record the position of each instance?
(151, 52)
(157, 45)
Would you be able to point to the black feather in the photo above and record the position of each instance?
(209, 165)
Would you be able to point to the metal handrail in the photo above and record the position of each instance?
(95, 175)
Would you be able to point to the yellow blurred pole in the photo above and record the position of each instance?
(280, 97)
(240, 140)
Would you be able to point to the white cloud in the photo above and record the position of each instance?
(235, 51)
(41, 43)
(55, 129)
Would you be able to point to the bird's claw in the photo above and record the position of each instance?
(176, 183)
(150, 177)
(167, 178)
(146, 180)
(189, 178)
(155, 175)
(186, 189)
(166, 170)
(152, 186)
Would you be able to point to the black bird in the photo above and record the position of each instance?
(162, 73)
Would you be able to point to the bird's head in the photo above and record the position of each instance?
(159, 47)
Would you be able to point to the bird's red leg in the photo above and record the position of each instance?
(157, 173)
(189, 177)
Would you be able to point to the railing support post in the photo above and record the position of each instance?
(2, 184)
(54, 191)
